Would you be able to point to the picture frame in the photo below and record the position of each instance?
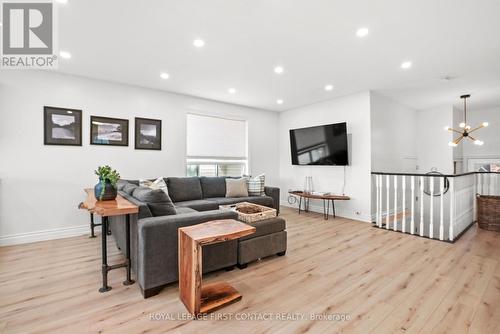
(62, 126)
(147, 134)
(108, 131)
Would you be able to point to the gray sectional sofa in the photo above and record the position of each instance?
(154, 244)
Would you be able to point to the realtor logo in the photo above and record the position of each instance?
(28, 35)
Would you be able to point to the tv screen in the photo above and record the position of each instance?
(320, 145)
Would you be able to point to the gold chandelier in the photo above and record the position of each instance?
(466, 129)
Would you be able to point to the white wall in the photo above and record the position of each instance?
(433, 151)
(393, 136)
(353, 109)
(40, 186)
(457, 150)
(490, 135)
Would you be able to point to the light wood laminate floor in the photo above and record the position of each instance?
(386, 282)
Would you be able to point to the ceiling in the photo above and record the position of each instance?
(132, 42)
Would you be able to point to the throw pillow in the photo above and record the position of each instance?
(256, 185)
(159, 183)
(157, 200)
(236, 187)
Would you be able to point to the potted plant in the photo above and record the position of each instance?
(105, 190)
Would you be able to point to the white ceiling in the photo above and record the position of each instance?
(132, 42)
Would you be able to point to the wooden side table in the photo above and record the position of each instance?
(197, 298)
(117, 207)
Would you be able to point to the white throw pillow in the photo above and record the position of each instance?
(236, 187)
(159, 183)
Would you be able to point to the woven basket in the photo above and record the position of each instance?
(488, 212)
(258, 212)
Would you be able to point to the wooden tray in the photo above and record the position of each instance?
(250, 212)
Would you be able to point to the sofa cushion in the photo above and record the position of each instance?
(121, 184)
(157, 200)
(199, 205)
(182, 210)
(183, 189)
(144, 211)
(129, 188)
(236, 187)
(265, 227)
(213, 186)
(262, 200)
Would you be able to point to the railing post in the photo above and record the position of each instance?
(412, 223)
(431, 225)
(421, 206)
(441, 212)
(452, 209)
(387, 215)
(403, 218)
(377, 211)
(395, 226)
(380, 197)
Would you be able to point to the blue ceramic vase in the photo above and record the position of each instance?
(109, 193)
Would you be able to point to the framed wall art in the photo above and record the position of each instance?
(62, 126)
(108, 131)
(147, 134)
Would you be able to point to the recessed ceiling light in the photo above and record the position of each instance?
(65, 54)
(406, 65)
(279, 101)
(362, 32)
(164, 76)
(279, 69)
(232, 90)
(199, 43)
(328, 87)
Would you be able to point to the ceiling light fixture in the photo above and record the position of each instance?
(232, 90)
(199, 43)
(65, 54)
(329, 87)
(164, 76)
(406, 65)
(279, 101)
(465, 133)
(279, 69)
(362, 32)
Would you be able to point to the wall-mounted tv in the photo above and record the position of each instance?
(320, 145)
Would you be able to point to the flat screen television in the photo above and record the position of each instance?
(320, 145)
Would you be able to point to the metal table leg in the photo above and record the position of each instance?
(326, 209)
(128, 281)
(300, 203)
(105, 267)
(333, 208)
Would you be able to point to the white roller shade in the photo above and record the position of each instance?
(214, 137)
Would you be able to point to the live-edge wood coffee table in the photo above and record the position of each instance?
(117, 207)
(197, 298)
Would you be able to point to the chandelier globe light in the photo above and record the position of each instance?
(465, 129)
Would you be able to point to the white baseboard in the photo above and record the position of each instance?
(57, 233)
(338, 211)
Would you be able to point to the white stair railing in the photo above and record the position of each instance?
(442, 205)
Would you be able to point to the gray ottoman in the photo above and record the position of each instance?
(268, 239)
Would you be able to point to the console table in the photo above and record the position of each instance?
(326, 201)
(197, 298)
(117, 207)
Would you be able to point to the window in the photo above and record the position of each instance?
(216, 146)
